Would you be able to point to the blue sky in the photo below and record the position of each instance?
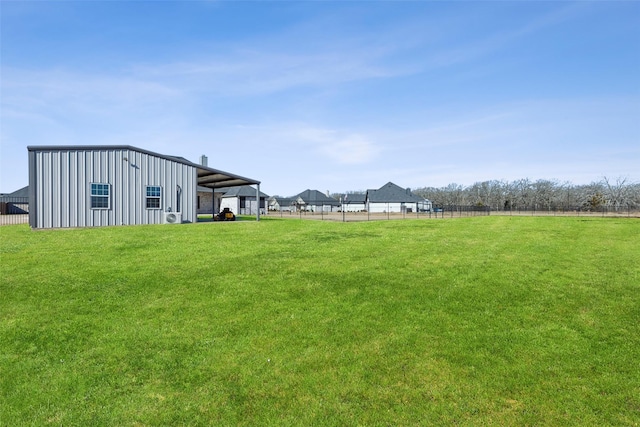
(334, 96)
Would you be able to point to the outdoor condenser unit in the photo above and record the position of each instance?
(172, 218)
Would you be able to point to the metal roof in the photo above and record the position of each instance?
(207, 177)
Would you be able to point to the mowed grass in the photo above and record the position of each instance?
(476, 321)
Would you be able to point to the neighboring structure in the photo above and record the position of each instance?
(354, 202)
(16, 203)
(315, 201)
(388, 198)
(88, 186)
(393, 198)
(242, 200)
(281, 204)
(208, 200)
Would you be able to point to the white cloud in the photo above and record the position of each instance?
(250, 72)
(59, 95)
(339, 147)
(349, 149)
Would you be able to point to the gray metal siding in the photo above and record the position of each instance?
(33, 206)
(62, 187)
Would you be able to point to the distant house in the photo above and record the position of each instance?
(393, 198)
(213, 200)
(89, 186)
(242, 200)
(15, 203)
(208, 200)
(281, 204)
(22, 192)
(315, 201)
(354, 202)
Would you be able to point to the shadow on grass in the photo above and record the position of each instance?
(209, 218)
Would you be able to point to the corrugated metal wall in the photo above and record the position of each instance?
(62, 181)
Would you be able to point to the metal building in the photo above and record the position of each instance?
(90, 186)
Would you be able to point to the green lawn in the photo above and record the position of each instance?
(475, 321)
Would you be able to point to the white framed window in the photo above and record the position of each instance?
(100, 196)
(154, 193)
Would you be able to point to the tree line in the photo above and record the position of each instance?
(524, 194)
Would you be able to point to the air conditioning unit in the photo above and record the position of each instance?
(172, 217)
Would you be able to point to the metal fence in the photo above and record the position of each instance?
(329, 213)
(14, 210)
(602, 211)
(455, 211)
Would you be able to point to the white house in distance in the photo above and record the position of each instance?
(388, 198)
(89, 186)
(393, 198)
(315, 201)
(354, 202)
(242, 200)
(281, 204)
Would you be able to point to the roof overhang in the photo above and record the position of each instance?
(213, 178)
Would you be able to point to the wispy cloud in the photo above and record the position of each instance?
(256, 68)
(248, 72)
(340, 147)
(260, 67)
(30, 89)
(475, 48)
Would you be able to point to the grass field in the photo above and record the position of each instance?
(474, 321)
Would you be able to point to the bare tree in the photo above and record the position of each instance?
(544, 194)
(523, 194)
(616, 194)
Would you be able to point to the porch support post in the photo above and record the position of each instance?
(258, 202)
(213, 203)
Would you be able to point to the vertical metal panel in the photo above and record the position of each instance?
(46, 186)
(82, 202)
(33, 206)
